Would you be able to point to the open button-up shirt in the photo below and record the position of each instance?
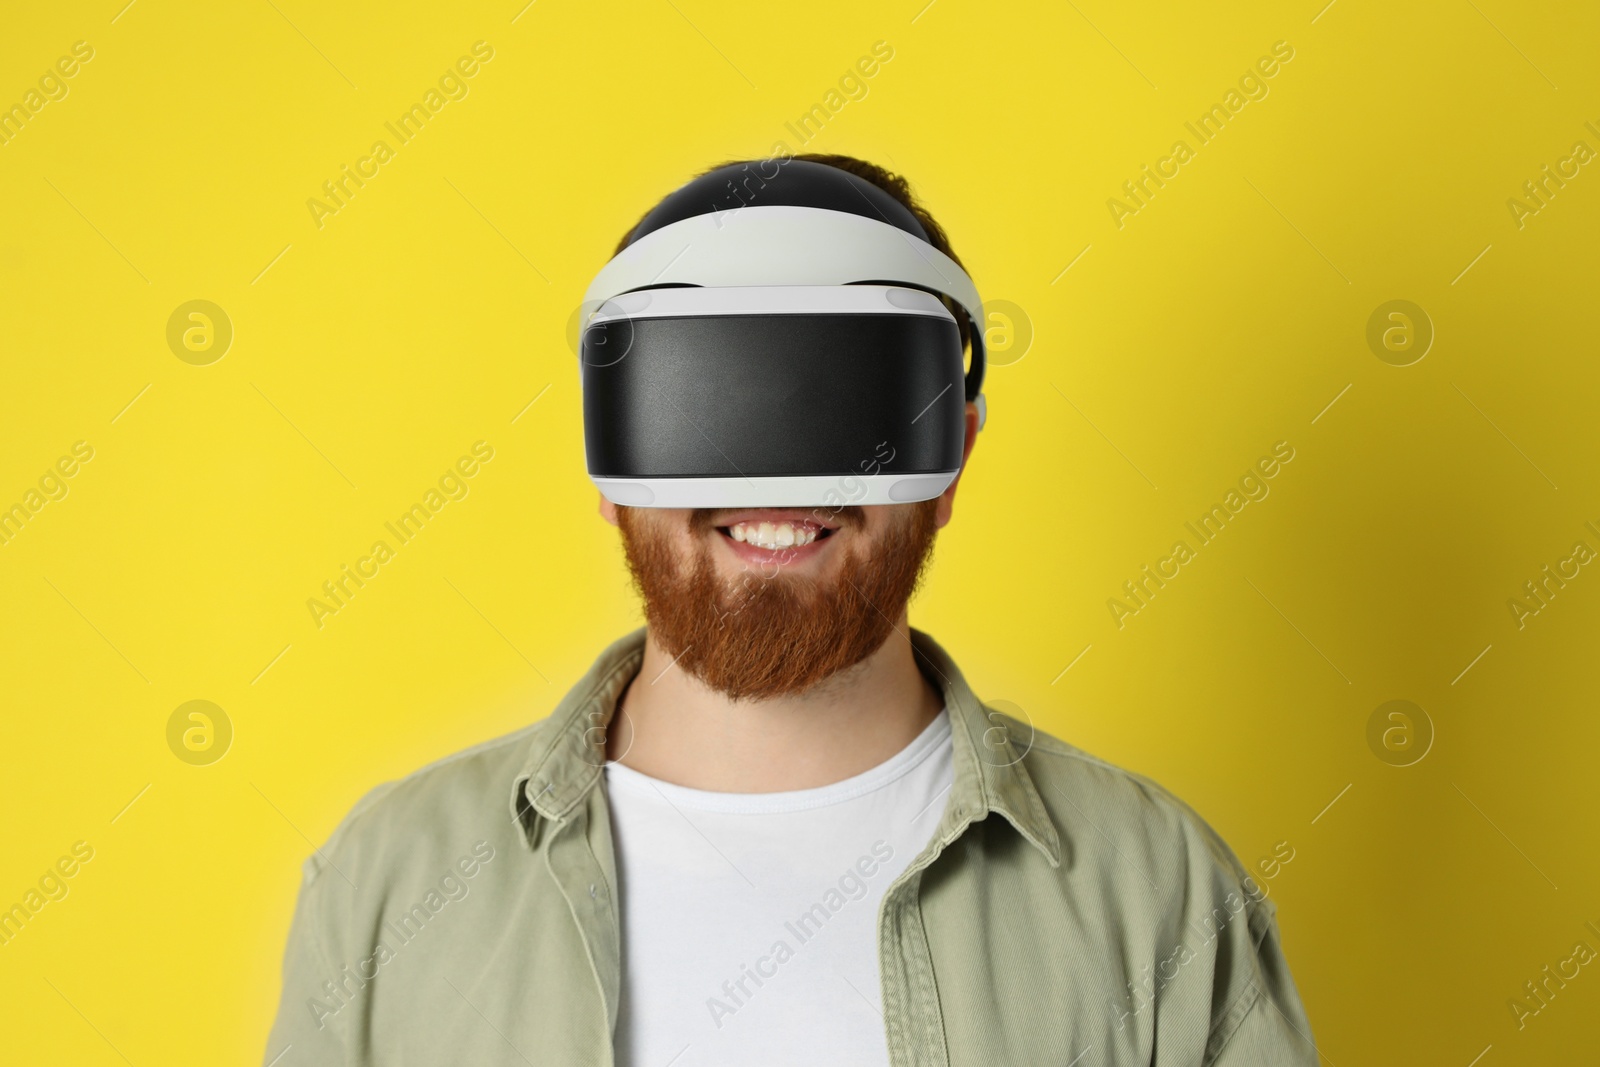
(1065, 911)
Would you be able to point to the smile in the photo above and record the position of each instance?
(777, 535)
(773, 536)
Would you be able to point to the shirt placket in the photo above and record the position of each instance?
(578, 873)
(913, 1024)
(913, 1020)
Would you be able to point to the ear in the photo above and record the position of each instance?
(947, 498)
(608, 510)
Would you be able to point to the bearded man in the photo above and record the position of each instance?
(775, 826)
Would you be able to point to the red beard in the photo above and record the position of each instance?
(769, 634)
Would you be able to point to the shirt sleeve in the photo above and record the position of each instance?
(304, 1027)
(1266, 1025)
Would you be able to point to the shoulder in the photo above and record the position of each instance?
(1163, 876)
(1133, 811)
(402, 855)
(428, 816)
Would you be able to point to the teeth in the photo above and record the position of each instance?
(770, 536)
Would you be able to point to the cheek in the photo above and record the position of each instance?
(879, 520)
(658, 525)
(900, 521)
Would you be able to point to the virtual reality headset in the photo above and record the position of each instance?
(789, 351)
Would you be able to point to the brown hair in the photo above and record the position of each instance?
(893, 184)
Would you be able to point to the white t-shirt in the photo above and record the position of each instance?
(749, 920)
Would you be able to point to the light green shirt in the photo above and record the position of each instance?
(1065, 912)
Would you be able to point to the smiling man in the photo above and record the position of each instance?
(775, 825)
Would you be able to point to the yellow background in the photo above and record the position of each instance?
(1225, 316)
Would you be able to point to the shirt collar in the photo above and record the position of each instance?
(565, 759)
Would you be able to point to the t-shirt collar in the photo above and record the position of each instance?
(566, 757)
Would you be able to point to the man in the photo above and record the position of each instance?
(775, 826)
